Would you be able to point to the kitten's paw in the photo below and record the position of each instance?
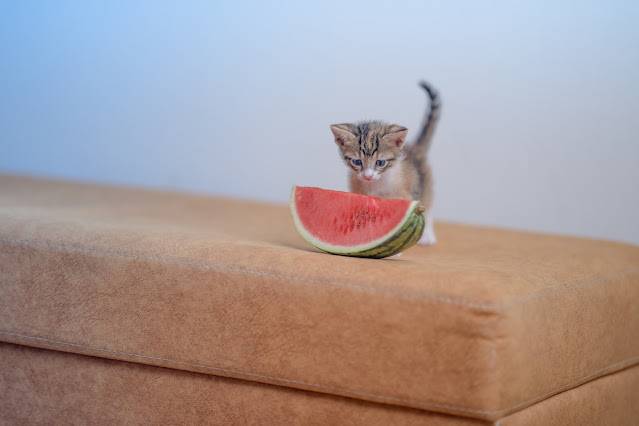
(428, 238)
(396, 255)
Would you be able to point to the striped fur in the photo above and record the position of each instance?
(430, 122)
(382, 165)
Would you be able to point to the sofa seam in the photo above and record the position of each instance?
(628, 361)
(422, 296)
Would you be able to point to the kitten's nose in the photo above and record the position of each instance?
(368, 174)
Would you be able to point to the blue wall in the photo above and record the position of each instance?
(539, 128)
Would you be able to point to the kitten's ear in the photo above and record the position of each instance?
(344, 133)
(396, 135)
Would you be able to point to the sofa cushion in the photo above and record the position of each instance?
(43, 387)
(39, 386)
(483, 324)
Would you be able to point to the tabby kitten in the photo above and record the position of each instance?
(382, 166)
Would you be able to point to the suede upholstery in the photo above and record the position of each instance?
(49, 387)
(481, 326)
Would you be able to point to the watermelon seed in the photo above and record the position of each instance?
(358, 224)
(356, 214)
(374, 219)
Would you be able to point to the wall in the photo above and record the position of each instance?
(540, 99)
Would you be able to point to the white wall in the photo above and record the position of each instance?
(539, 128)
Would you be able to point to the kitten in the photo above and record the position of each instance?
(382, 166)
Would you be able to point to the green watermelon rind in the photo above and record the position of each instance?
(403, 236)
(404, 239)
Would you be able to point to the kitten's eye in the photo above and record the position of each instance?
(356, 162)
(380, 163)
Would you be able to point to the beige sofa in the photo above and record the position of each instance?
(129, 306)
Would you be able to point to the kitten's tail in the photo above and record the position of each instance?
(424, 138)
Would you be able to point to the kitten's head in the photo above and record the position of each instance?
(369, 148)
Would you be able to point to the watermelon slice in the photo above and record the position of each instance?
(356, 225)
